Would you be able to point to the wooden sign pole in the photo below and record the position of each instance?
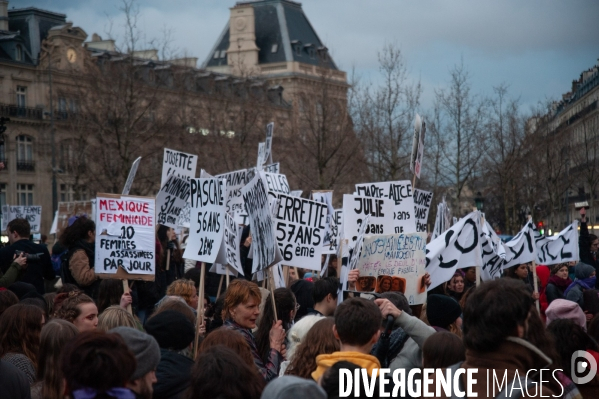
(127, 290)
(227, 274)
(220, 285)
(168, 259)
(200, 310)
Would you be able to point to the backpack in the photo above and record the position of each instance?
(56, 260)
(504, 394)
(65, 272)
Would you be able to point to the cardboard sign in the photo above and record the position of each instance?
(300, 229)
(400, 192)
(171, 199)
(275, 184)
(131, 176)
(235, 181)
(261, 156)
(334, 231)
(125, 239)
(68, 209)
(33, 214)
(264, 246)
(268, 144)
(355, 210)
(394, 262)
(178, 163)
(230, 244)
(417, 146)
(422, 205)
(207, 219)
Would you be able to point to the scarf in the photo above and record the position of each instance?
(587, 283)
(561, 283)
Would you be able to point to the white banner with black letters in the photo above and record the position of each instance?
(400, 192)
(560, 248)
(457, 248)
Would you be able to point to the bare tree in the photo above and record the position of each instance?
(383, 117)
(462, 123)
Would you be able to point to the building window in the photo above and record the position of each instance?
(62, 104)
(67, 193)
(21, 96)
(25, 153)
(25, 194)
(19, 53)
(274, 48)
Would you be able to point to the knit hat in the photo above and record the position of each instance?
(583, 271)
(144, 347)
(289, 386)
(442, 310)
(564, 309)
(171, 329)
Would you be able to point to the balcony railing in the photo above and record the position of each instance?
(26, 166)
(15, 111)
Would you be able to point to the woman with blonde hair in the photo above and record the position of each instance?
(186, 289)
(115, 316)
(55, 335)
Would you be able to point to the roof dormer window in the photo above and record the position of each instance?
(19, 53)
(311, 50)
(297, 47)
(275, 48)
(223, 53)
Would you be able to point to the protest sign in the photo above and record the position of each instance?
(296, 193)
(458, 246)
(171, 199)
(273, 168)
(32, 213)
(221, 269)
(278, 276)
(394, 262)
(184, 215)
(275, 184)
(235, 181)
(443, 220)
(355, 210)
(69, 209)
(268, 144)
(521, 248)
(125, 245)
(560, 248)
(261, 156)
(179, 164)
(131, 176)
(417, 146)
(229, 250)
(422, 205)
(400, 192)
(54, 223)
(334, 231)
(264, 246)
(326, 197)
(354, 254)
(207, 219)
(300, 230)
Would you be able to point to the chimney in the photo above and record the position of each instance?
(242, 55)
(3, 15)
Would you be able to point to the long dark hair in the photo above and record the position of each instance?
(77, 231)
(285, 301)
(176, 255)
(109, 293)
(20, 328)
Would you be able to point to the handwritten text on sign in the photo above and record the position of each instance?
(235, 181)
(401, 193)
(207, 219)
(126, 228)
(179, 164)
(171, 199)
(355, 210)
(422, 205)
(300, 229)
(394, 262)
(33, 214)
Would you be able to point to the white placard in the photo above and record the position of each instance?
(355, 210)
(178, 163)
(207, 221)
(230, 244)
(300, 229)
(235, 181)
(264, 246)
(54, 223)
(417, 145)
(268, 144)
(521, 248)
(275, 184)
(32, 213)
(334, 230)
(132, 173)
(273, 168)
(223, 269)
(171, 199)
(394, 262)
(184, 215)
(422, 205)
(560, 248)
(400, 192)
(296, 193)
(261, 156)
(125, 235)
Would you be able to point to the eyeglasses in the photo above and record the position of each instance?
(297, 306)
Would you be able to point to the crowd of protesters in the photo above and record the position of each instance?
(92, 338)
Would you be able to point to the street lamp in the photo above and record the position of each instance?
(479, 201)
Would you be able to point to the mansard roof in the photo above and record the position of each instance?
(283, 34)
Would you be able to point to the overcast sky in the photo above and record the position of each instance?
(537, 47)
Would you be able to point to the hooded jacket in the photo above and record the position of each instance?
(173, 375)
(324, 362)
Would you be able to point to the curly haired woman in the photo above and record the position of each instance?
(80, 310)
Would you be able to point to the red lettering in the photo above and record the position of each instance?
(103, 204)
